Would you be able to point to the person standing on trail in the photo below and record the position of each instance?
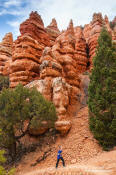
(59, 157)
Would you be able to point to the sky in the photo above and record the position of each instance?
(14, 12)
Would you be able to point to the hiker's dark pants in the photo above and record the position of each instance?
(61, 158)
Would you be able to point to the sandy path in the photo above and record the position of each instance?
(71, 170)
(81, 152)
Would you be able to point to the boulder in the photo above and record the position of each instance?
(63, 127)
(38, 130)
(43, 86)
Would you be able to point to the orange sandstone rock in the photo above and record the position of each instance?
(39, 130)
(61, 101)
(34, 27)
(96, 26)
(6, 54)
(64, 50)
(25, 60)
(43, 86)
(80, 50)
(86, 32)
(27, 50)
(49, 66)
(53, 31)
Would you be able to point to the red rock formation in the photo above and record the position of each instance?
(80, 48)
(107, 25)
(114, 34)
(25, 60)
(51, 71)
(34, 27)
(6, 54)
(86, 31)
(53, 31)
(63, 51)
(49, 66)
(113, 23)
(27, 50)
(58, 66)
(114, 20)
(96, 26)
(92, 31)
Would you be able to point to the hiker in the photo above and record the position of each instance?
(59, 157)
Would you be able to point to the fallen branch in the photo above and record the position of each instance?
(41, 158)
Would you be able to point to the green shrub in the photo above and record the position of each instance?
(2, 169)
(47, 114)
(112, 25)
(17, 106)
(4, 82)
(102, 92)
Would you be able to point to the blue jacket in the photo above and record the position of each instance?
(59, 155)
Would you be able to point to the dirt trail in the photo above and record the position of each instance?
(71, 170)
(80, 151)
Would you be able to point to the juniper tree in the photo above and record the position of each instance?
(17, 106)
(102, 92)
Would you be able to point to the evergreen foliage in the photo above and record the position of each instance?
(4, 82)
(2, 169)
(112, 25)
(2, 161)
(17, 106)
(102, 92)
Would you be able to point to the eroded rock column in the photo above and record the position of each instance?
(6, 54)
(80, 51)
(53, 31)
(27, 50)
(61, 101)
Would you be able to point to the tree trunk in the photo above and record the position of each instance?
(13, 150)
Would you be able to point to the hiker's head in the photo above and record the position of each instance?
(60, 147)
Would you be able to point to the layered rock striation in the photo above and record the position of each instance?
(27, 50)
(80, 50)
(64, 50)
(53, 31)
(6, 54)
(96, 26)
(34, 27)
(25, 61)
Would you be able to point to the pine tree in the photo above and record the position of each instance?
(102, 92)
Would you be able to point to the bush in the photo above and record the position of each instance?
(2, 169)
(112, 25)
(48, 114)
(4, 82)
(102, 92)
(17, 106)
